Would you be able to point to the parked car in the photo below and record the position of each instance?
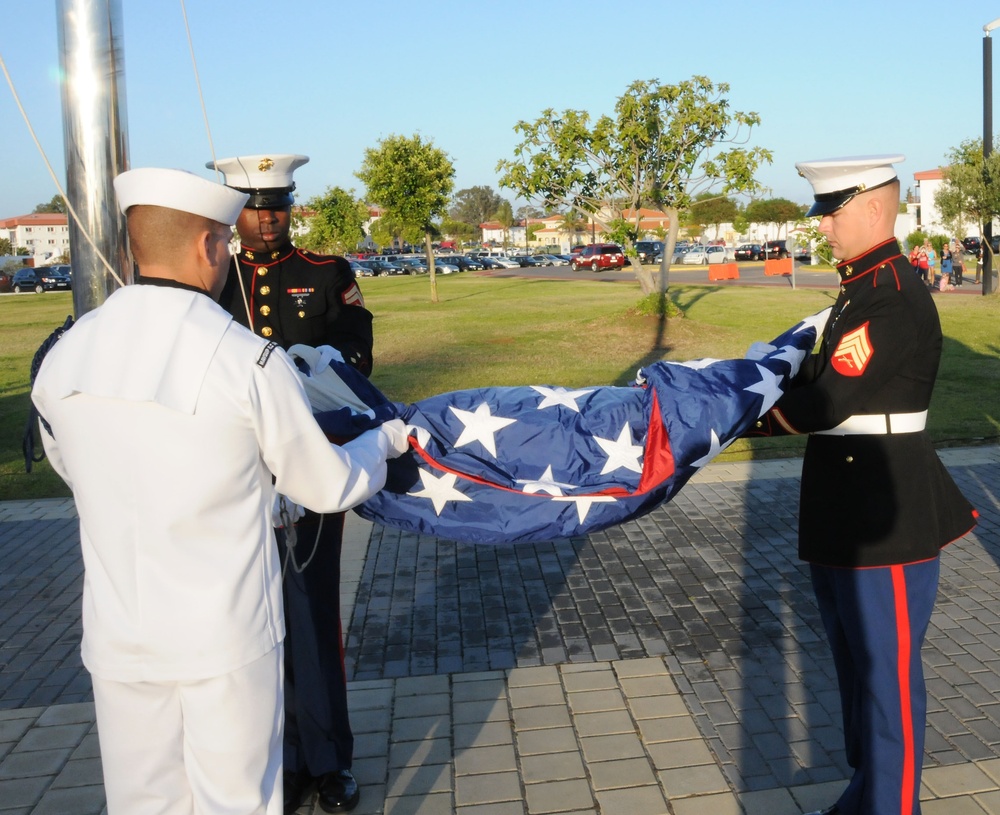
(971, 245)
(5, 281)
(749, 251)
(467, 264)
(382, 267)
(413, 265)
(543, 260)
(506, 263)
(527, 260)
(443, 267)
(599, 256)
(647, 250)
(360, 270)
(696, 255)
(679, 253)
(43, 278)
(775, 249)
(717, 253)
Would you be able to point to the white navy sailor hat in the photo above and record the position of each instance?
(268, 178)
(835, 181)
(180, 190)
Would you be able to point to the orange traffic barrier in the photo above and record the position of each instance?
(724, 271)
(778, 267)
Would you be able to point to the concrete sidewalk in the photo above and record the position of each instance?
(675, 664)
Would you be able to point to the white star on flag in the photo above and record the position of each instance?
(622, 453)
(715, 447)
(585, 502)
(769, 387)
(481, 426)
(547, 483)
(816, 321)
(560, 396)
(439, 490)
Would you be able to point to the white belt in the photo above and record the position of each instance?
(878, 424)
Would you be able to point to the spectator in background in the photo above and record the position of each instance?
(923, 264)
(957, 263)
(946, 266)
(931, 263)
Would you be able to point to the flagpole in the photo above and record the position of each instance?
(91, 57)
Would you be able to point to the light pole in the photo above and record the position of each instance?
(988, 147)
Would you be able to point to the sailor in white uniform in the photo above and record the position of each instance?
(175, 427)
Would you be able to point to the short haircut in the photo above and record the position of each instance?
(156, 234)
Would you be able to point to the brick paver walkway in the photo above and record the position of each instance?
(675, 664)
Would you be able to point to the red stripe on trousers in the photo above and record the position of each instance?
(903, 651)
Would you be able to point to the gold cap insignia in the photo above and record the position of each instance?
(265, 165)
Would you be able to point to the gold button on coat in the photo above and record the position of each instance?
(265, 310)
(266, 331)
(265, 291)
(849, 459)
(302, 314)
(261, 271)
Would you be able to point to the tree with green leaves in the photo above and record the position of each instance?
(712, 209)
(663, 145)
(475, 205)
(505, 217)
(5, 247)
(388, 231)
(965, 193)
(412, 181)
(573, 224)
(337, 222)
(777, 211)
(460, 230)
(57, 204)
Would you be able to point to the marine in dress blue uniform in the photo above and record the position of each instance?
(876, 504)
(292, 296)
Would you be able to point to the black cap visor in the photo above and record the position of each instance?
(275, 198)
(829, 202)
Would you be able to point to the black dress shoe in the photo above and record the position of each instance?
(338, 792)
(299, 788)
(834, 810)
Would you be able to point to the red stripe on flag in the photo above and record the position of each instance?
(658, 459)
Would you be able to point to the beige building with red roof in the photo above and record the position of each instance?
(44, 234)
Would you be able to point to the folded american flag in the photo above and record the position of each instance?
(519, 464)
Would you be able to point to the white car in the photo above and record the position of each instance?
(717, 254)
(445, 268)
(507, 263)
(696, 255)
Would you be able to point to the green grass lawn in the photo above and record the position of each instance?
(489, 331)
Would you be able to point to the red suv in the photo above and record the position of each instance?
(599, 256)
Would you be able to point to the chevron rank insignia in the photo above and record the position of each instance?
(853, 353)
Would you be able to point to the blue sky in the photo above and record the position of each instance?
(329, 78)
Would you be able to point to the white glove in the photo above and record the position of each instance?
(759, 350)
(396, 437)
(327, 354)
(284, 512)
